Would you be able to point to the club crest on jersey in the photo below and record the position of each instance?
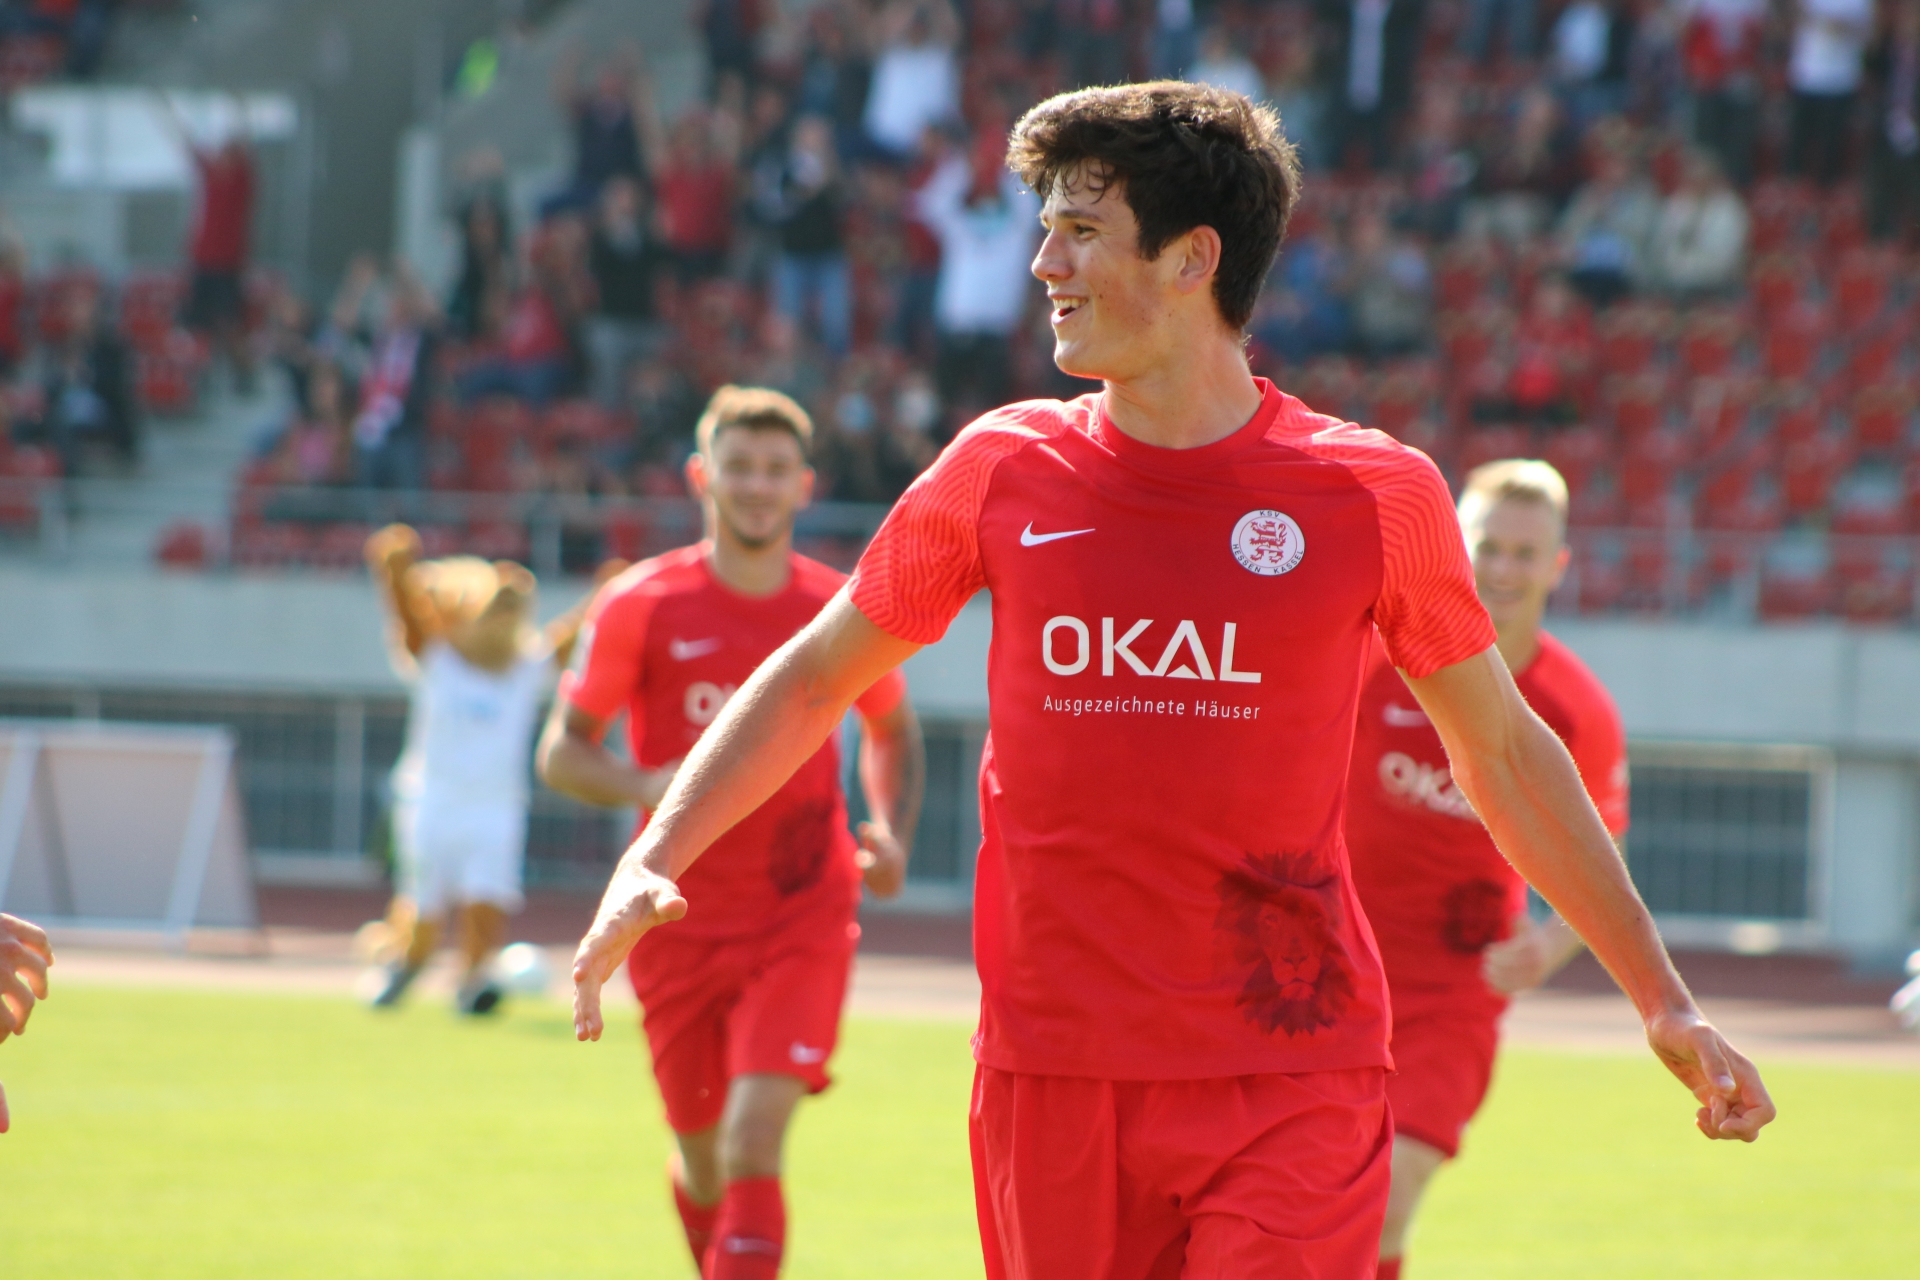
(1268, 543)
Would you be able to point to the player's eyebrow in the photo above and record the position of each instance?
(1077, 213)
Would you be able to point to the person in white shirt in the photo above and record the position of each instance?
(987, 225)
(1224, 67)
(1823, 71)
(916, 79)
(1698, 247)
(462, 635)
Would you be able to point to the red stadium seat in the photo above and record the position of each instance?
(1777, 283)
(1875, 356)
(26, 471)
(1862, 286)
(1843, 219)
(1601, 576)
(1490, 444)
(184, 544)
(438, 540)
(1629, 339)
(1882, 417)
(1793, 341)
(340, 546)
(277, 545)
(1878, 591)
(1640, 404)
(1464, 277)
(1809, 471)
(498, 540)
(1871, 500)
(1709, 341)
(1577, 454)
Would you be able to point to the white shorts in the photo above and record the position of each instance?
(460, 851)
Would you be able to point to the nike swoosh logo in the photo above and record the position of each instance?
(1028, 538)
(685, 650)
(805, 1054)
(1402, 718)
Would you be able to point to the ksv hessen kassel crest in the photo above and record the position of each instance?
(1268, 543)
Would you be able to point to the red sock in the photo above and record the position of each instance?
(697, 1221)
(1389, 1269)
(751, 1232)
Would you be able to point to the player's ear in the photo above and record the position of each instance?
(697, 474)
(1199, 259)
(807, 478)
(1561, 559)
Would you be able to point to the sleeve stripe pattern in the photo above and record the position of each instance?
(1428, 611)
(924, 564)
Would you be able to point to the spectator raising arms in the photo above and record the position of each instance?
(606, 117)
(624, 257)
(218, 252)
(1699, 242)
(810, 276)
(987, 224)
(915, 79)
(1893, 162)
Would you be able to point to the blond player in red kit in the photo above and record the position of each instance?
(742, 1001)
(1183, 1034)
(1449, 913)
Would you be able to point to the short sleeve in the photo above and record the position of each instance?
(924, 563)
(1599, 749)
(608, 658)
(1428, 612)
(886, 693)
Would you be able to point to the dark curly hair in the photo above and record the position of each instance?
(1187, 155)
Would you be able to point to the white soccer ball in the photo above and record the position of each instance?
(1906, 1005)
(523, 970)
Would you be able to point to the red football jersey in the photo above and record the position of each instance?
(668, 643)
(1435, 888)
(1178, 638)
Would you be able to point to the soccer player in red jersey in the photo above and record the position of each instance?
(742, 1001)
(1449, 913)
(1183, 1035)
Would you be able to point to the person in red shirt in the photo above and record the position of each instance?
(1449, 913)
(218, 252)
(742, 1002)
(1182, 1052)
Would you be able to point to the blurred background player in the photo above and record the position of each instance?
(463, 636)
(1448, 912)
(24, 956)
(742, 1001)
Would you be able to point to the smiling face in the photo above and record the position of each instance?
(1116, 315)
(1519, 557)
(753, 483)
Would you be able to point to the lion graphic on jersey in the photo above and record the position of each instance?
(1279, 916)
(802, 843)
(1475, 916)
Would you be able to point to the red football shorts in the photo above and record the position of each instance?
(1444, 1044)
(1265, 1175)
(716, 1009)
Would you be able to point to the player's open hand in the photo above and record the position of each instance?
(883, 862)
(1733, 1101)
(24, 957)
(637, 900)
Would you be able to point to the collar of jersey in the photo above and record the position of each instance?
(1152, 457)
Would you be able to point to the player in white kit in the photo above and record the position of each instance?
(463, 636)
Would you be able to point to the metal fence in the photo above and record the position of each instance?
(1729, 833)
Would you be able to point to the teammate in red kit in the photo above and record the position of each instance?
(1183, 1034)
(742, 1000)
(1448, 911)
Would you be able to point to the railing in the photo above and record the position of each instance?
(322, 528)
(1677, 571)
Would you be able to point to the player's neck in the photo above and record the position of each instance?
(1519, 643)
(1202, 393)
(751, 571)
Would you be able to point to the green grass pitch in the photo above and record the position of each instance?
(200, 1136)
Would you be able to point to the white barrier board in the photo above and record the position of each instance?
(122, 826)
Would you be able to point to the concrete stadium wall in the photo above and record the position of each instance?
(1849, 696)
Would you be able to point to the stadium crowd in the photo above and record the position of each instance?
(1671, 247)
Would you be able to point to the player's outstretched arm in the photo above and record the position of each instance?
(1524, 785)
(770, 728)
(893, 774)
(25, 954)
